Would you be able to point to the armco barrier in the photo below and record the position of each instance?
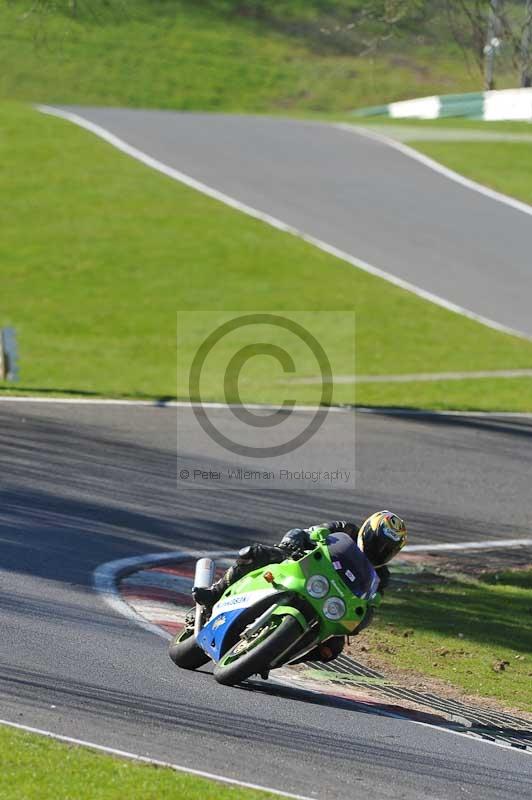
(507, 104)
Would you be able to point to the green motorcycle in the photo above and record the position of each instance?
(276, 615)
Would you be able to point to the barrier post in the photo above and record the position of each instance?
(526, 60)
(2, 359)
(8, 355)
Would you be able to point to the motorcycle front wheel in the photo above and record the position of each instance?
(185, 652)
(254, 656)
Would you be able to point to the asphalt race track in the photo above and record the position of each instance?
(85, 484)
(356, 194)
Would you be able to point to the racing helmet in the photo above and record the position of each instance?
(381, 537)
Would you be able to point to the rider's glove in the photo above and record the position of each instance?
(295, 540)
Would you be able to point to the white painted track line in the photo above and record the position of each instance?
(153, 761)
(407, 412)
(467, 183)
(104, 401)
(274, 222)
(413, 377)
(106, 577)
(486, 544)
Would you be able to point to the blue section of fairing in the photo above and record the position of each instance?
(211, 637)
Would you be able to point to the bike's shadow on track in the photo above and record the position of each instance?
(314, 697)
(376, 708)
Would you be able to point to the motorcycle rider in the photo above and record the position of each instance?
(380, 538)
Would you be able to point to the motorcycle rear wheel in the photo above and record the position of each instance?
(185, 652)
(257, 656)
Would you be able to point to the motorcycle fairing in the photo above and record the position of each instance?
(224, 614)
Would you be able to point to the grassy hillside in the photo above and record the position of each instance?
(506, 167)
(116, 250)
(203, 55)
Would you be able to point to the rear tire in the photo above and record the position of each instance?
(185, 652)
(257, 660)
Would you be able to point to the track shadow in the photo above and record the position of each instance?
(331, 701)
(513, 426)
(501, 732)
(74, 496)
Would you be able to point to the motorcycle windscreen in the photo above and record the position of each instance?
(355, 570)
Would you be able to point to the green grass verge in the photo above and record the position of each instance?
(187, 55)
(37, 768)
(99, 253)
(474, 634)
(505, 166)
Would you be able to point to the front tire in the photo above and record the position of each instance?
(185, 652)
(234, 668)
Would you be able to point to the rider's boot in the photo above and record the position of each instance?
(208, 597)
(243, 564)
(249, 558)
